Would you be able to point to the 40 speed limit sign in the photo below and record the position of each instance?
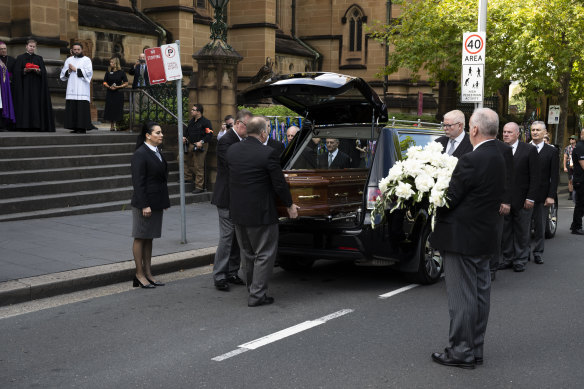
(473, 67)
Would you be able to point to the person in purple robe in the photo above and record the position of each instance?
(6, 105)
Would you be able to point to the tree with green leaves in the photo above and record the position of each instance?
(539, 43)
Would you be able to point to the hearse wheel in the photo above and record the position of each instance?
(430, 260)
(294, 263)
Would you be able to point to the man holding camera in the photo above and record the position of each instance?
(140, 73)
(196, 140)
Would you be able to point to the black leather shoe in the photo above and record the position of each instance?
(266, 300)
(222, 285)
(518, 268)
(235, 280)
(538, 260)
(445, 360)
(137, 283)
(578, 232)
(155, 283)
(493, 276)
(503, 265)
(479, 360)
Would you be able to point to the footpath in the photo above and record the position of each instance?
(45, 257)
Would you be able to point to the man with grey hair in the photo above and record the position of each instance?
(291, 132)
(547, 187)
(515, 245)
(464, 234)
(578, 160)
(255, 179)
(455, 140)
(227, 257)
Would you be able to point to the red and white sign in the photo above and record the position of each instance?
(171, 59)
(473, 48)
(155, 66)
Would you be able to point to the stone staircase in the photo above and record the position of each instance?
(59, 174)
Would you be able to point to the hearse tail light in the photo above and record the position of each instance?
(373, 193)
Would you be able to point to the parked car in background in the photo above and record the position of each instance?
(336, 201)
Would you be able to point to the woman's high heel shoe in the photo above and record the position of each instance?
(137, 283)
(156, 283)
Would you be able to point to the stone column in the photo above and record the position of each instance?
(215, 87)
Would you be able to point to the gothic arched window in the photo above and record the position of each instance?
(355, 17)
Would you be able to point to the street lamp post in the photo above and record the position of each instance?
(219, 27)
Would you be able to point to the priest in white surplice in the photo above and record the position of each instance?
(77, 71)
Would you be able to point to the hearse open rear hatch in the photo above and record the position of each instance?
(336, 106)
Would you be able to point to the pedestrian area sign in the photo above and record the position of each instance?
(473, 67)
(163, 64)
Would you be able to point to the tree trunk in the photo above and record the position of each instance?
(563, 99)
(447, 98)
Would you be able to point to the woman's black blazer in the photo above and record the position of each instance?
(149, 177)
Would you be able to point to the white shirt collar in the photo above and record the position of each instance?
(538, 146)
(233, 129)
(334, 153)
(460, 137)
(153, 148)
(514, 145)
(485, 141)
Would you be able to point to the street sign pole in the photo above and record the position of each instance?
(482, 27)
(181, 153)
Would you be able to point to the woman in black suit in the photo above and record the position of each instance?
(150, 199)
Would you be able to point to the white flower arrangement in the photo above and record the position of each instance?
(424, 175)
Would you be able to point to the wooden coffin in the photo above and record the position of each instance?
(325, 192)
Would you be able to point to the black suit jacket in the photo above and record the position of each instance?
(221, 189)
(150, 178)
(525, 175)
(341, 161)
(255, 179)
(507, 153)
(549, 162)
(275, 144)
(135, 71)
(464, 147)
(475, 193)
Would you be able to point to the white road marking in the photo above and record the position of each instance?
(398, 291)
(254, 344)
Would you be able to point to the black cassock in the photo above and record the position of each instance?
(32, 100)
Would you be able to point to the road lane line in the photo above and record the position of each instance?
(397, 291)
(255, 344)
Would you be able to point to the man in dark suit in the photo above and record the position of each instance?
(578, 182)
(227, 257)
(140, 73)
(255, 179)
(507, 153)
(334, 158)
(464, 234)
(549, 162)
(455, 142)
(273, 143)
(516, 227)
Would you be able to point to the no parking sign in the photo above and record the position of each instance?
(163, 64)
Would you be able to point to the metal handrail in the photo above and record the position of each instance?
(151, 98)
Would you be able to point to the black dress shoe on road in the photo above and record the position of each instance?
(266, 300)
(155, 283)
(235, 280)
(222, 285)
(137, 283)
(538, 260)
(479, 360)
(503, 266)
(578, 232)
(518, 268)
(445, 360)
(493, 276)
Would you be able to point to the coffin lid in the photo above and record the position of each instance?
(322, 98)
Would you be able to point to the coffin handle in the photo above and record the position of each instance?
(309, 197)
(345, 194)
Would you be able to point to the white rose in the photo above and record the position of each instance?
(404, 190)
(383, 183)
(437, 198)
(413, 151)
(442, 182)
(412, 167)
(424, 183)
(434, 147)
(396, 172)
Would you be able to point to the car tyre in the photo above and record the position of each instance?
(295, 264)
(430, 261)
(551, 224)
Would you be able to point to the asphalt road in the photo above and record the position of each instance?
(327, 329)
